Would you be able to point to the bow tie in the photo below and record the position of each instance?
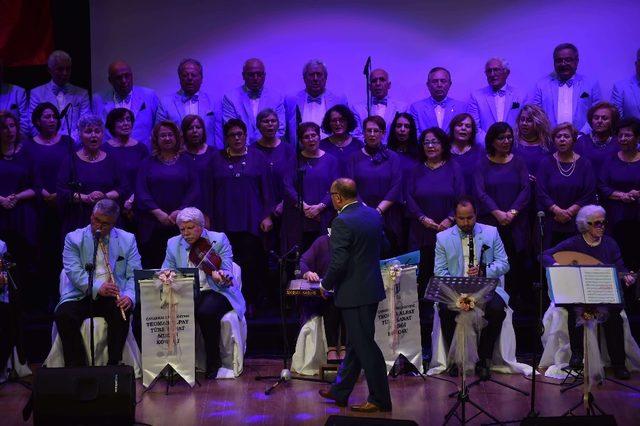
(441, 104)
(193, 99)
(57, 90)
(377, 101)
(123, 99)
(254, 94)
(317, 99)
(500, 93)
(569, 83)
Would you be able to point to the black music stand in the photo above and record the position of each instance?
(168, 373)
(461, 285)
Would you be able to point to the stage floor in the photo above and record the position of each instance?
(242, 401)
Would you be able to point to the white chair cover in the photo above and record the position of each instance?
(504, 353)
(311, 348)
(22, 370)
(233, 341)
(557, 349)
(130, 353)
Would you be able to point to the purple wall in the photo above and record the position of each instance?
(406, 38)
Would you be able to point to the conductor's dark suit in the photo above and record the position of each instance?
(354, 275)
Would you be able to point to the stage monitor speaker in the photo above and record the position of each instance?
(366, 421)
(603, 420)
(84, 395)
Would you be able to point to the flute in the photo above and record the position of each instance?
(105, 254)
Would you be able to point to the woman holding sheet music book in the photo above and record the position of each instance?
(593, 242)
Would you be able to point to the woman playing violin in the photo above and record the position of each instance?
(211, 253)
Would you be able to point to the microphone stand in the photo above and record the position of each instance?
(91, 270)
(367, 73)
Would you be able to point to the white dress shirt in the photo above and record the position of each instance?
(565, 104)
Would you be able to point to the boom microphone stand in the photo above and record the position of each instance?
(367, 73)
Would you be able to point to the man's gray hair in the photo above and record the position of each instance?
(585, 214)
(314, 62)
(190, 214)
(190, 61)
(505, 64)
(107, 207)
(56, 57)
(89, 120)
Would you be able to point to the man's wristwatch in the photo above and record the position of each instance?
(513, 212)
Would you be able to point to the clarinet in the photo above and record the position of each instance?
(472, 254)
(483, 265)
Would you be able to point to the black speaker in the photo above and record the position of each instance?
(84, 395)
(366, 421)
(603, 420)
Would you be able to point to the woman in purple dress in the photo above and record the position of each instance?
(318, 170)
(87, 176)
(166, 183)
(47, 150)
(565, 183)
(242, 207)
(532, 138)
(199, 156)
(464, 149)
(599, 145)
(619, 185)
(339, 122)
(502, 188)
(128, 153)
(17, 210)
(378, 175)
(433, 187)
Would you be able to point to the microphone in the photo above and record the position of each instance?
(97, 235)
(541, 215)
(367, 66)
(64, 111)
(285, 376)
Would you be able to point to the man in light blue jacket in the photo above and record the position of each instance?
(452, 260)
(113, 292)
(218, 292)
(626, 94)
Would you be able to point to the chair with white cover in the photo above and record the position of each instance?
(233, 340)
(557, 349)
(504, 353)
(311, 348)
(130, 353)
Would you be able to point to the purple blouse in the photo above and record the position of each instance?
(618, 175)
(467, 163)
(597, 153)
(317, 257)
(47, 160)
(129, 159)
(16, 175)
(431, 193)
(341, 154)
(279, 160)
(201, 165)
(607, 252)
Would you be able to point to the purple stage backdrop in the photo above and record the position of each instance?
(404, 37)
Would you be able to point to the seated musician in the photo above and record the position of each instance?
(452, 259)
(5, 324)
(592, 241)
(211, 253)
(313, 265)
(113, 287)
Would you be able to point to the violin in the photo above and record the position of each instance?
(204, 257)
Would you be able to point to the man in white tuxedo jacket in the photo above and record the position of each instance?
(72, 101)
(246, 101)
(565, 95)
(14, 99)
(312, 102)
(626, 94)
(381, 104)
(499, 101)
(191, 100)
(141, 101)
(438, 109)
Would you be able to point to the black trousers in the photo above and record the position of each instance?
(334, 327)
(425, 272)
(493, 313)
(362, 353)
(613, 332)
(210, 307)
(69, 317)
(5, 335)
(248, 252)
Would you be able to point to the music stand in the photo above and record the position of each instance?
(461, 285)
(168, 373)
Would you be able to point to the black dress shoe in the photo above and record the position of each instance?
(483, 371)
(621, 372)
(576, 361)
(211, 374)
(453, 371)
(368, 407)
(328, 395)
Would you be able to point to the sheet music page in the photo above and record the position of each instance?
(566, 284)
(600, 285)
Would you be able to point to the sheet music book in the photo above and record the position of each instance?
(591, 285)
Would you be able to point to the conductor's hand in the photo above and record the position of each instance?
(629, 280)
(124, 303)
(474, 271)
(108, 289)
(312, 277)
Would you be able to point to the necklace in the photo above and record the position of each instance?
(91, 158)
(568, 171)
(232, 162)
(598, 144)
(229, 154)
(434, 166)
(169, 162)
(458, 151)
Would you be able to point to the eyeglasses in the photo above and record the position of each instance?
(431, 143)
(372, 131)
(597, 223)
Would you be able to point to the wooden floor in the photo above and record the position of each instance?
(242, 401)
